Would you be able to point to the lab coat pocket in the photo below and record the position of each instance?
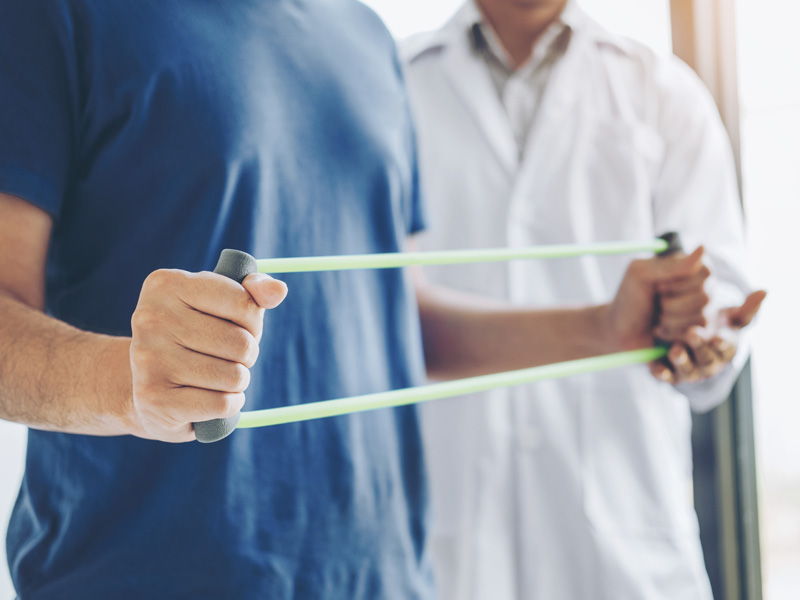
(636, 455)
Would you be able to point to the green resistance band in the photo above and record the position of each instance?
(237, 265)
(395, 260)
(447, 389)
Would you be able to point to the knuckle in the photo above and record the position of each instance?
(147, 321)
(234, 404)
(255, 317)
(226, 405)
(251, 352)
(159, 280)
(149, 399)
(143, 319)
(239, 378)
(244, 347)
(146, 362)
(219, 405)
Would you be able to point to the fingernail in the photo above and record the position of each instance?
(695, 341)
(260, 276)
(680, 360)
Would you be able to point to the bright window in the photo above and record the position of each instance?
(770, 103)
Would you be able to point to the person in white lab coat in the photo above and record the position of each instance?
(537, 126)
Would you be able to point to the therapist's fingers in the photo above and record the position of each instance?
(707, 360)
(684, 285)
(662, 372)
(683, 368)
(687, 304)
(659, 270)
(741, 316)
(725, 348)
(674, 327)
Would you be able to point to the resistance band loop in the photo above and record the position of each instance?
(451, 257)
(447, 389)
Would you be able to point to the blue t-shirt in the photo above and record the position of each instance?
(157, 133)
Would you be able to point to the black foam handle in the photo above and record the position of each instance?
(674, 244)
(236, 265)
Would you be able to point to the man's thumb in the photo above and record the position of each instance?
(266, 291)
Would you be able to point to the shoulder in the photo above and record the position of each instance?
(366, 23)
(422, 46)
(429, 46)
(659, 87)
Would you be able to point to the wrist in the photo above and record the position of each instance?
(116, 388)
(608, 336)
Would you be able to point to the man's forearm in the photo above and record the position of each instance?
(56, 377)
(465, 336)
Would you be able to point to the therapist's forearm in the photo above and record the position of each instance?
(58, 378)
(465, 336)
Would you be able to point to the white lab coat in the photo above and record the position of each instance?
(580, 488)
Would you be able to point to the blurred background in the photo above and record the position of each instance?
(748, 452)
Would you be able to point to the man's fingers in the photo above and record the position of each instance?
(195, 335)
(186, 368)
(741, 316)
(208, 293)
(199, 405)
(176, 411)
(266, 291)
(215, 337)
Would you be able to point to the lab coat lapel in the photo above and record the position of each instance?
(473, 85)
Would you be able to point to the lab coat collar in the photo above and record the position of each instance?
(462, 21)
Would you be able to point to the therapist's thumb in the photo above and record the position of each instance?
(741, 316)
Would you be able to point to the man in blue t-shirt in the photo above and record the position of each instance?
(139, 139)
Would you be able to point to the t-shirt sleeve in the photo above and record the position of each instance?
(37, 101)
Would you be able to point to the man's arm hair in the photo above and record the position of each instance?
(52, 375)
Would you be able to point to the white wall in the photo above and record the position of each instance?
(769, 80)
(12, 456)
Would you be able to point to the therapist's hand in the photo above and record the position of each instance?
(195, 336)
(638, 306)
(703, 354)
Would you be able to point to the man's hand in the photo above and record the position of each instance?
(195, 336)
(638, 306)
(702, 355)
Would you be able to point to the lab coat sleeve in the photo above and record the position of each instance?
(696, 193)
